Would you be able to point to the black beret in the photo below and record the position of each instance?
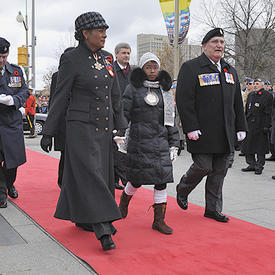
(4, 45)
(215, 32)
(248, 80)
(90, 20)
(267, 82)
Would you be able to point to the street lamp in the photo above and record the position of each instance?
(20, 19)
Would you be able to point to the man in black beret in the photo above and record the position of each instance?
(13, 94)
(210, 107)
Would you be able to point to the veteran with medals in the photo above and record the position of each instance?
(88, 95)
(13, 95)
(210, 106)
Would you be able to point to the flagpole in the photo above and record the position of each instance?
(176, 40)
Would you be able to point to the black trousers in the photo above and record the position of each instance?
(256, 161)
(7, 179)
(103, 228)
(61, 168)
(215, 167)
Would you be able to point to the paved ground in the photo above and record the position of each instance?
(25, 248)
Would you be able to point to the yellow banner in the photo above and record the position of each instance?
(168, 10)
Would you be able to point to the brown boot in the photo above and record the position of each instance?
(123, 204)
(159, 214)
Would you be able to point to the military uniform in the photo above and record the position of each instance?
(258, 114)
(12, 147)
(209, 100)
(86, 80)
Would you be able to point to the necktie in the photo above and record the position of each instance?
(126, 71)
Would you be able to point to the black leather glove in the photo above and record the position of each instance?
(46, 143)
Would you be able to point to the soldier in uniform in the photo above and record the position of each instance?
(258, 112)
(210, 106)
(123, 71)
(30, 113)
(13, 95)
(88, 93)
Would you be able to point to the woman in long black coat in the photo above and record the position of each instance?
(153, 138)
(87, 92)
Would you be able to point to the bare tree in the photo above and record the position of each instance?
(250, 36)
(47, 78)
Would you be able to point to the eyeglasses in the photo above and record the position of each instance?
(151, 68)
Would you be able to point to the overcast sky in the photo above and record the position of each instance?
(55, 25)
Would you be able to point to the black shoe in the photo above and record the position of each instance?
(181, 199)
(216, 216)
(85, 226)
(179, 151)
(273, 177)
(258, 172)
(12, 192)
(3, 203)
(271, 158)
(241, 154)
(230, 165)
(107, 242)
(118, 186)
(248, 169)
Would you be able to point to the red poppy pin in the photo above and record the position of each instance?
(109, 58)
(16, 73)
(225, 70)
(260, 93)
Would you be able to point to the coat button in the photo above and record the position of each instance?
(106, 129)
(97, 108)
(95, 76)
(97, 118)
(107, 118)
(106, 75)
(96, 88)
(106, 97)
(90, 57)
(106, 87)
(96, 129)
(97, 98)
(107, 108)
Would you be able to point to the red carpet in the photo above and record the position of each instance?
(198, 245)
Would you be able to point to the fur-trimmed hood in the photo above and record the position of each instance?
(138, 76)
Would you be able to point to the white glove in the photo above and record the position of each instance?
(120, 142)
(241, 135)
(194, 135)
(6, 99)
(173, 153)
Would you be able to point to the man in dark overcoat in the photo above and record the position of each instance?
(13, 95)
(123, 70)
(258, 112)
(210, 106)
(59, 138)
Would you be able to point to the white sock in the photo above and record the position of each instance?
(160, 196)
(130, 189)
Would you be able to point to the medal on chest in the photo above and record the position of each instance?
(229, 78)
(109, 66)
(15, 82)
(151, 98)
(98, 66)
(209, 79)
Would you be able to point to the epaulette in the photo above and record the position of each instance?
(15, 65)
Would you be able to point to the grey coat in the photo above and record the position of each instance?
(90, 100)
(12, 146)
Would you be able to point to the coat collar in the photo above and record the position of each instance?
(8, 67)
(205, 62)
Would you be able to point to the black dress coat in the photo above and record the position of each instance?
(94, 110)
(148, 157)
(59, 138)
(123, 79)
(214, 108)
(258, 112)
(12, 146)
